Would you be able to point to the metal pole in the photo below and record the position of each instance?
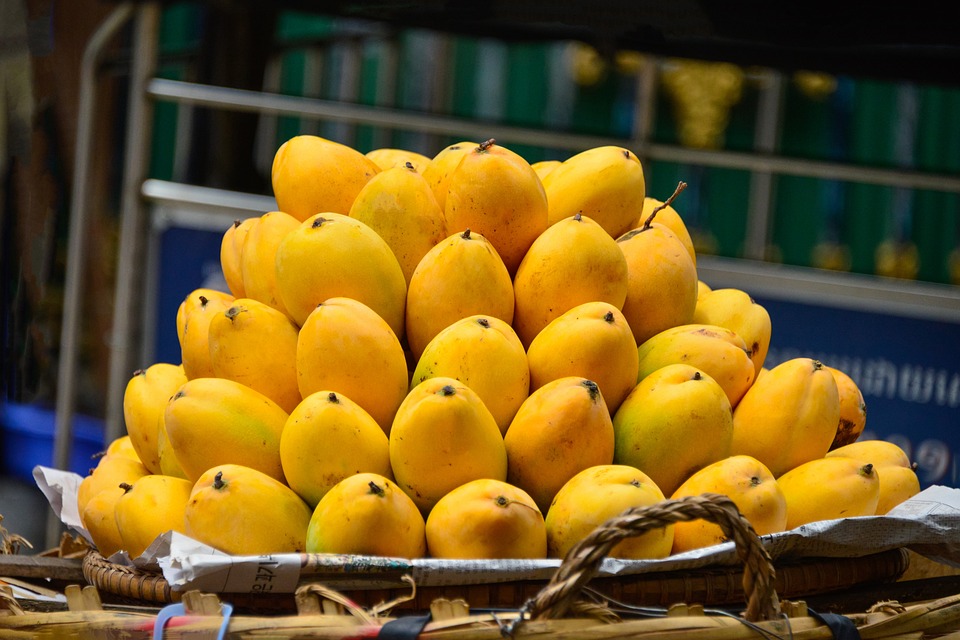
(767, 135)
(77, 248)
(132, 211)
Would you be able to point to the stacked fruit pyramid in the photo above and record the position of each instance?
(472, 356)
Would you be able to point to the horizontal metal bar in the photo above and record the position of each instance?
(272, 103)
(223, 201)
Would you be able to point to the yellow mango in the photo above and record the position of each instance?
(124, 446)
(367, 514)
(597, 494)
(144, 401)
(703, 288)
(789, 416)
(666, 215)
(444, 436)
(573, 262)
(169, 465)
(231, 249)
(441, 167)
(256, 345)
(485, 354)
(460, 277)
(389, 157)
(661, 281)
(243, 511)
(311, 174)
(879, 453)
(853, 410)
(751, 486)
(332, 255)
(544, 167)
(259, 256)
(99, 519)
(897, 484)
(676, 421)
(149, 507)
(828, 489)
(110, 471)
(717, 351)
(604, 183)
(496, 193)
(213, 421)
(345, 347)
(400, 206)
(737, 311)
(563, 428)
(592, 340)
(327, 438)
(195, 345)
(197, 298)
(486, 519)
(898, 478)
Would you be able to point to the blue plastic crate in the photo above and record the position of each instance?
(28, 439)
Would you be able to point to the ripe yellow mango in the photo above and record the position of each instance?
(897, 484)
(898, 479)
(573, 262)
(390, 157)
(345, 347)
(197, 298)
(591, 340)
(213, 421)
(879, 453)
(110, 471)
(460, 277)
(751, 486)
(259, 256)
(853, 410)
(717, 351)
(661, 281)
(144, 401)
(485, 354)
(311, 174)
(666, 215)
(256, 345)
(332, 255)
(676, 421)
(829, 488)
(367, 514)
(327, 438)
(441, 167)
(789, 416)
(169, 465)
(444, 436)
(486, 519)
(242, 511)
(149, 507)
(231, 248)
(597, 494)
(604, 183)
(563, 428)
(123, 446)
(737, 311)
(496, 193)
(195, 345)
(399, 205)
(98, 518)
(544, 167)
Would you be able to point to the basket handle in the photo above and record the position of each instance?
(583, 560)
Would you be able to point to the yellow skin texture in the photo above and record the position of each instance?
(344, 346)
(898, 480)
(259, 255)
(544, 167)
(212, 421)
(327, 438)
(896, 485)
(486, 519)
(355, 517)
(597, 494)
(256, 345)
(144, 402)
(789, 416)
(400, 206)
(231, 248)
(717, 351)
(152, 506)
(573, 262)
(668, 217)
(604, 183)
(195, 345)
(592, 340)
(123, 446)
(676, 421)
(110, 471)
(99, 520)
(563, 428)
(879, 453)
(387, 158)
(461, 276)
(751, 486)
(444, 436)
(169, 465)
(246, 513)
(441, 167)
(194, 300)
(485, 354)
(496, 193)
(829, 488)
(661, 281)
(332, 255)
(702, 288)
(312, 174)
(853, 410)
(737, 311)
